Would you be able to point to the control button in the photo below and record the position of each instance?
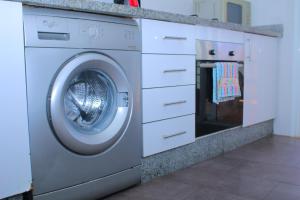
(231, 53)
(129, 35)
(212, 52)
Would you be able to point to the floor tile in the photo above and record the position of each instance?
(278, 154)
(278, 173)
(284, 192)
(160, 188)
(246, 186)
(209, 194)
(264, 170)
(218, 164)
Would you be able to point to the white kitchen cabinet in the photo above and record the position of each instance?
(168, 102)
(168, 70)
(168, 134)
(260, 81)
(167, 38)
(15, 170)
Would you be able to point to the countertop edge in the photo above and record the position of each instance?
(96, 7)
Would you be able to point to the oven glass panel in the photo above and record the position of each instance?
(234, 13)
(211, 117)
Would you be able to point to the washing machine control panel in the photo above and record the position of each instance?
(95, 33)
(51, 31)
(91, 31)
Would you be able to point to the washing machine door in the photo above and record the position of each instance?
(89, 103)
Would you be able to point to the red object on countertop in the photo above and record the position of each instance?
(134, 3)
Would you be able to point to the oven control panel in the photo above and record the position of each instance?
(210, 50)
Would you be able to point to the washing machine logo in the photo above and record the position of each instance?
(48, 23)
(95, 32)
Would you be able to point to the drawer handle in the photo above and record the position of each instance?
(174, 70)
(174, 38)
(174, 135)
(174, 103)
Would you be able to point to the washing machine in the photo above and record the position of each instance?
(83, 75)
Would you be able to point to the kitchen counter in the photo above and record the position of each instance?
(94, 6)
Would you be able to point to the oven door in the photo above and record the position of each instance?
(211, 117)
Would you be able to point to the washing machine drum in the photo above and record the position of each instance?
(90, 102)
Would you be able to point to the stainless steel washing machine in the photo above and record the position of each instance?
(84, 103)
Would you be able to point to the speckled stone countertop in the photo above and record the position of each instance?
(95, 6)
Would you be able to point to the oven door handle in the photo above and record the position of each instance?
(212, 65)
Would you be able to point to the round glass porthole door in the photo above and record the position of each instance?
(90, 101)
(89, 104)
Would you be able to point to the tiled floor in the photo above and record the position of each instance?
(265, 170)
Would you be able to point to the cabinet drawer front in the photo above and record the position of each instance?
(168, 70)
(168, 134)
(164, 103)
(167, 38)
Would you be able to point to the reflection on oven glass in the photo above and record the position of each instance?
(211, 117)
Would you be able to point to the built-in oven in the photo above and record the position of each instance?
(212, 117)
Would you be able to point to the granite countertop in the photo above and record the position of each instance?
(95, 6)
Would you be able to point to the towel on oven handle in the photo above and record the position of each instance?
(225, 82)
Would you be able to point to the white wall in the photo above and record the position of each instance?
(265, 12)
(184, 7)
(296, 72)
